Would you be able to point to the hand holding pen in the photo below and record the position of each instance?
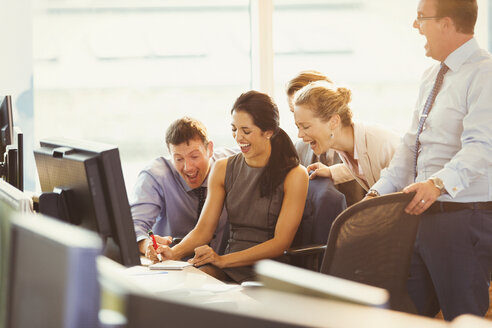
(162, 241)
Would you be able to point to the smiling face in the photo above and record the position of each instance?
(253, 141)
(192, 161)
(313, 130)
(431, 29)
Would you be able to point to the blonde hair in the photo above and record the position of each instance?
(302, 79)
(326, 100)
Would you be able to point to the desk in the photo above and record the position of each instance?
(192, 286)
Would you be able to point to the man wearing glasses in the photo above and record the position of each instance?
(446, 159)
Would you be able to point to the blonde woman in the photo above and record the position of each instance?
(351, 189)
(324, 119)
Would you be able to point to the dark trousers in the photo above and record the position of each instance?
(451, 265)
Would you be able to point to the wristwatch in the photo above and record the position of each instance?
(373, 193)
(438, 184)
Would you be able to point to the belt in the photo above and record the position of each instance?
(438, 207)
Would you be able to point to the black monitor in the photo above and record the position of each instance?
(48, 273)
(82, 183)
(6, 124)
(11, 147)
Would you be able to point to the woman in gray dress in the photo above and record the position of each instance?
(263, 188)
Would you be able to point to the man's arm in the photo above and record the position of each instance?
(399, 173)
(146, 205)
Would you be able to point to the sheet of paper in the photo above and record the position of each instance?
(169, 265)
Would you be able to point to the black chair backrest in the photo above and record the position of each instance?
(372, 242)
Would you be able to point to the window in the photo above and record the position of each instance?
(369, 46)
(119, 72)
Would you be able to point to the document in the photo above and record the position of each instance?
(169, 265)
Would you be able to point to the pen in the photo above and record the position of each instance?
(154, 242)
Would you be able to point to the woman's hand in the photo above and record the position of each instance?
(205, 254)
(319, 170)
(162, 242)
(164, 251)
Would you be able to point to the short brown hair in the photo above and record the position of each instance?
(462, 12)
(302, 79)
(184, 130)
(326, 100)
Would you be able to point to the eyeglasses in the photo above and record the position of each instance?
(420, 19)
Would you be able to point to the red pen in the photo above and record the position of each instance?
(154, 242)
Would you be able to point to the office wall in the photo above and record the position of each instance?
(16, 73)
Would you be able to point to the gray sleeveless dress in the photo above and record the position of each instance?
(252, 218)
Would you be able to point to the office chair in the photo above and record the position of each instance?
(372, 242)
(323, 204)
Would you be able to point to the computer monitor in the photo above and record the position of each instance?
(16, 199)
(82, 183)
(11, 147)
(13, 164)
(6, 124)
(49, 273)
(141, 308)
(288, 278)
(145, 310)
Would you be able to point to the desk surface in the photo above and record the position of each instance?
(191, 285)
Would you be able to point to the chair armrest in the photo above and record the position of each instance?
(306, 250)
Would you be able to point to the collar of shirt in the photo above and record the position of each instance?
(458, 57)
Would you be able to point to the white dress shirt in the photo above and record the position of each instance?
(456, 142)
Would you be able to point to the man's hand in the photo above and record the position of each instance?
(166, 240)
(425, 195)
(368, 197)
(319, 170)
(205, 254)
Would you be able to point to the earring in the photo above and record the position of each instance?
(331, 135)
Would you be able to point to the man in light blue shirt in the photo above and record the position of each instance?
(452, 179)
(166, 198)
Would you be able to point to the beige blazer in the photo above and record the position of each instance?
(375, 147)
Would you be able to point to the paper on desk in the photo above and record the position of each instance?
(138, 270)
(169, 265)
(219, 288)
